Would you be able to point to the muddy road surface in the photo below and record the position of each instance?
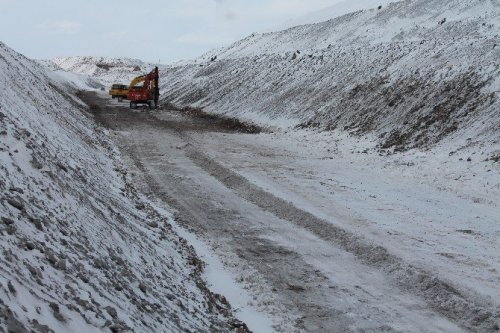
(303, 268)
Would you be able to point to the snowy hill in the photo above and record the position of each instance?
(105, 70)
(339, 9)
(72, 80)
(410, 74)
(82, 250)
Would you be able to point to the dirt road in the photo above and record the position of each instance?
(305, 269)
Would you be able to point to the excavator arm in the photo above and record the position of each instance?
(136, 81)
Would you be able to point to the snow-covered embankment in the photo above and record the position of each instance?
(82, 250)
(410, 74)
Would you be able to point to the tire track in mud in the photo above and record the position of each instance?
(438, 294)
(304, 312)
(466, 310)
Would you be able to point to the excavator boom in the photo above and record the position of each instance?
(136, 81)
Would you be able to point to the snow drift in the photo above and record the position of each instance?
(82, 250)
(411, 73)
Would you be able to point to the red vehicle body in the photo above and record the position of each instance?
(146, 94)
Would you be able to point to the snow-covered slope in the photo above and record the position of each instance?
(411, 74)
(105, 70)
(82, 250)
(328, 13)
(72, 80)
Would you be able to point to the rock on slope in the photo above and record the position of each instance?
(411, 73)
(105, 70)
(82, 251)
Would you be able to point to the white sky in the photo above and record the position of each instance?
(151, 30)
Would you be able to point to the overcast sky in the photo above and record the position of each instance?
(151, 30)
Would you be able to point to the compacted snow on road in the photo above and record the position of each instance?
(323, 236)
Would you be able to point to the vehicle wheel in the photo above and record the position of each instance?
(133, 105)
(150, 105)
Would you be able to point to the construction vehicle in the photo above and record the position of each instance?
(146, 94)
(119, 91)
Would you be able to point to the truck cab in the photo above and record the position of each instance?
(119, 91)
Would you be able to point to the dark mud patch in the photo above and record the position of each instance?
(226, 123)
(189, 119)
